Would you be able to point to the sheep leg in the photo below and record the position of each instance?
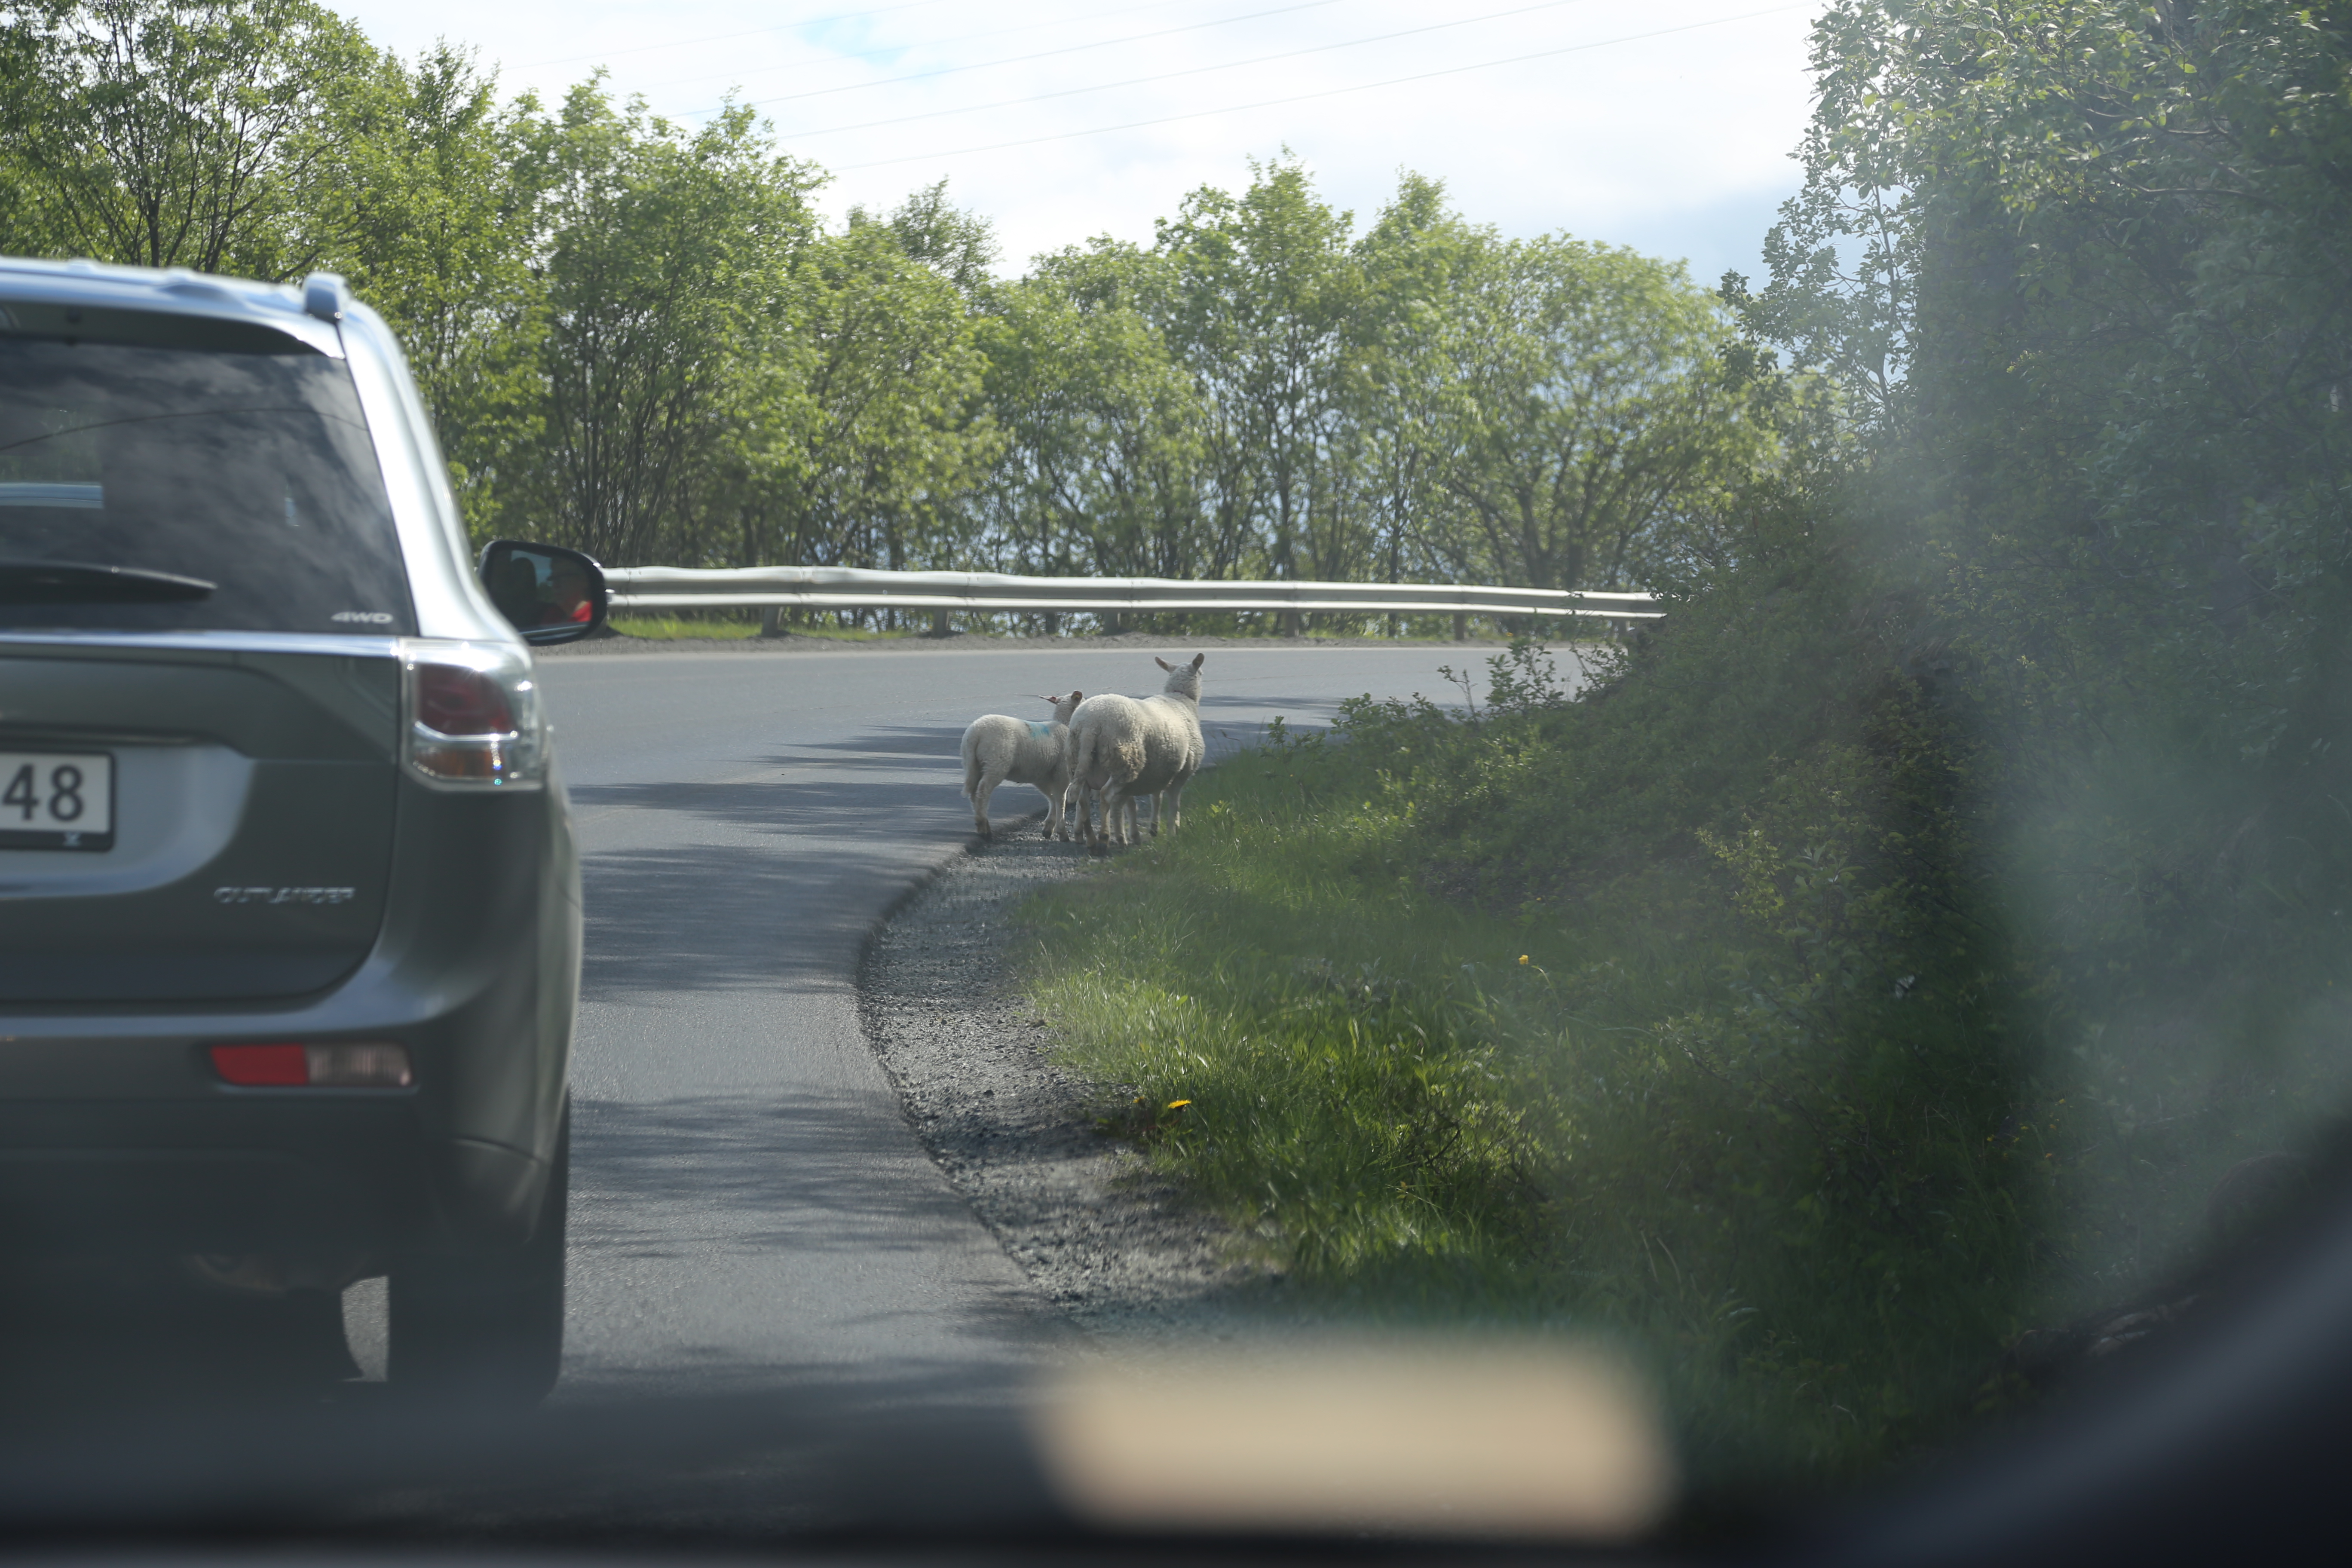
(989, 780)
(1097, 836)
(1056, 792)
(1112, 801)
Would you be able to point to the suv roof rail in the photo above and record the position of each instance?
(326, 295)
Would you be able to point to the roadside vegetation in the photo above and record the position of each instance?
(1887, 958)
(715, 626)
(641, 338)
(671, 628)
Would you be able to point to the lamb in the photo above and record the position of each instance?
(1122, 749)
(998, 750)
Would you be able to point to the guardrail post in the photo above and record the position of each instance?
(1461, 626)
(1293, 624)
(771, 621)
(939, 627)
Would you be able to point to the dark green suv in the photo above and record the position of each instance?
(289, 908)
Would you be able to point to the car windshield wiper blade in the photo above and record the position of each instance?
(81, 582)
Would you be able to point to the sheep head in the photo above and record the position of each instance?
(1183, 679)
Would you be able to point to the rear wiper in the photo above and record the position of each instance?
(77, 582)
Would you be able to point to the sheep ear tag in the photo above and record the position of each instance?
(1042, 731)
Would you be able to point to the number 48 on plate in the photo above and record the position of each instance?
(56, 800)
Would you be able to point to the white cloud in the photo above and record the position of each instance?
(1676, 143)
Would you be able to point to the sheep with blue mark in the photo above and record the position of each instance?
(1000, 750)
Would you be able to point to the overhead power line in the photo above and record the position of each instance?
(1171, 76)
(1326, 92)
(1016, 59)
(724, 37)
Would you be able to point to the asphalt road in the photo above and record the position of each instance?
(750, 1210)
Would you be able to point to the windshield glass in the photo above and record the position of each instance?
(1505, 820)
(251, 471)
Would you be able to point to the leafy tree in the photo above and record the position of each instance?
(194, 133)
(1406, 404)
(874, 429)
(1101, 469)
(436, 206)
(1595, 404)
(1259, 297)
(669, 279)
(2110, 476)
(958, 244)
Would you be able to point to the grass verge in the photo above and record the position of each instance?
(673, 629)
(1428, 1114)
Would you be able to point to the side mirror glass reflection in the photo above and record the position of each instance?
(550, 594)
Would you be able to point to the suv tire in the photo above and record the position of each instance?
(486, 1325)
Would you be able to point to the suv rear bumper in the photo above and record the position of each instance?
(212, 1178)
(289, 1170)
(117, 1133)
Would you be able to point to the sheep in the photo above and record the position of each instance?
(998, 750)
(1122, 749)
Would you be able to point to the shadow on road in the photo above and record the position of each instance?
(796, 1174)
(913, 1450)
(95, 1341)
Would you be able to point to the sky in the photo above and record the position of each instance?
(1665, 125)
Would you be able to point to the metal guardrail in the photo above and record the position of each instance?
(776, 588)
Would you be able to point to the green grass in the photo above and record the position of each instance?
(672, 628)
(1425, 1112)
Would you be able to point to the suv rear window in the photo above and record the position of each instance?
(243, 461)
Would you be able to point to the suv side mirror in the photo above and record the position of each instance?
(550, 593)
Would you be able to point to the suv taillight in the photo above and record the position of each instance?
(314, 1067)
(473, 716)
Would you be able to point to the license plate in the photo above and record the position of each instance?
(56, 800)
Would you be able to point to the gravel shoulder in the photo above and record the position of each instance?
(1103, 1237)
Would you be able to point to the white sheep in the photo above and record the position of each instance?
(1122, 749)
(998, 750)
